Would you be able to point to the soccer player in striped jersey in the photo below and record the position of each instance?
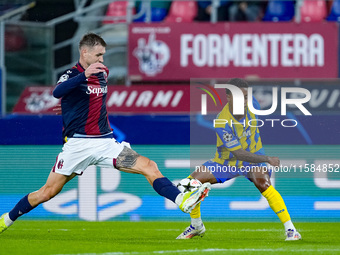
(240, 152)
(88, 137)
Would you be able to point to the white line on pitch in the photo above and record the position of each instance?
(208, 250)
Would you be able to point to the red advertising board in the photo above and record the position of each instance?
(181, 51)
(177, 99)
(36, 100)
(120, 99)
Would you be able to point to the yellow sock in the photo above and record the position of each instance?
(276, 203)
(196, 212)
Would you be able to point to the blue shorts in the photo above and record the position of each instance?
(226, 172)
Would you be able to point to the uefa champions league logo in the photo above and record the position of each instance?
(152, 56)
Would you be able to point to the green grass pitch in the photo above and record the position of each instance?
(138, 238)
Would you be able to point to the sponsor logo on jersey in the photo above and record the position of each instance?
(245, 133)
(96, 90)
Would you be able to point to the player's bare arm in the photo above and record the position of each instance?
(247, 156)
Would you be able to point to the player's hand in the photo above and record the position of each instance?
(94, 68)
(57, 109)
(274, 161)
(208, 10)
(243, 6)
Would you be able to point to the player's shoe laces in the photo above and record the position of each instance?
(191, 232)
(3, 226)
(191, 199)
(292, 235)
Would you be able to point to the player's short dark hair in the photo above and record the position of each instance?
(240, 83)
(91, 40)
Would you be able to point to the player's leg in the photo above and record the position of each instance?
(197, 227)
(130, 161)
(204, 176)
(261, 179)
(54, 184)
(76, 156)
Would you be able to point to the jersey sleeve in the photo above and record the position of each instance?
(227, 138)
(70, 79)
(256, 104)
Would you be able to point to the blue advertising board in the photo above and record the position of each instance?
(1, 95)
(102, 194)
(169, 129)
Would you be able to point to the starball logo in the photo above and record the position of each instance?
(239, 109)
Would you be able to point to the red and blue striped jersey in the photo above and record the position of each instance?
(83, 103)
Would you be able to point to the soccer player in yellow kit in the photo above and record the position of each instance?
(240, 153)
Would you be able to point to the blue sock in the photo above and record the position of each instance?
(164, 187)
(22, 207)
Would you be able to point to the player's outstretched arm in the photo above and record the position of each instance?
(247, 156)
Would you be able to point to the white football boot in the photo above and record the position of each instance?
(292, 235)
(191, 232)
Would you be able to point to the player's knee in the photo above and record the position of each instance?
(152, 165)
(152, 169)
(47, 194)
(262, 185)
(44, 197)
(204, 176)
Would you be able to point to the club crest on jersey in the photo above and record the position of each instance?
(60, 164)
(96, 90)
